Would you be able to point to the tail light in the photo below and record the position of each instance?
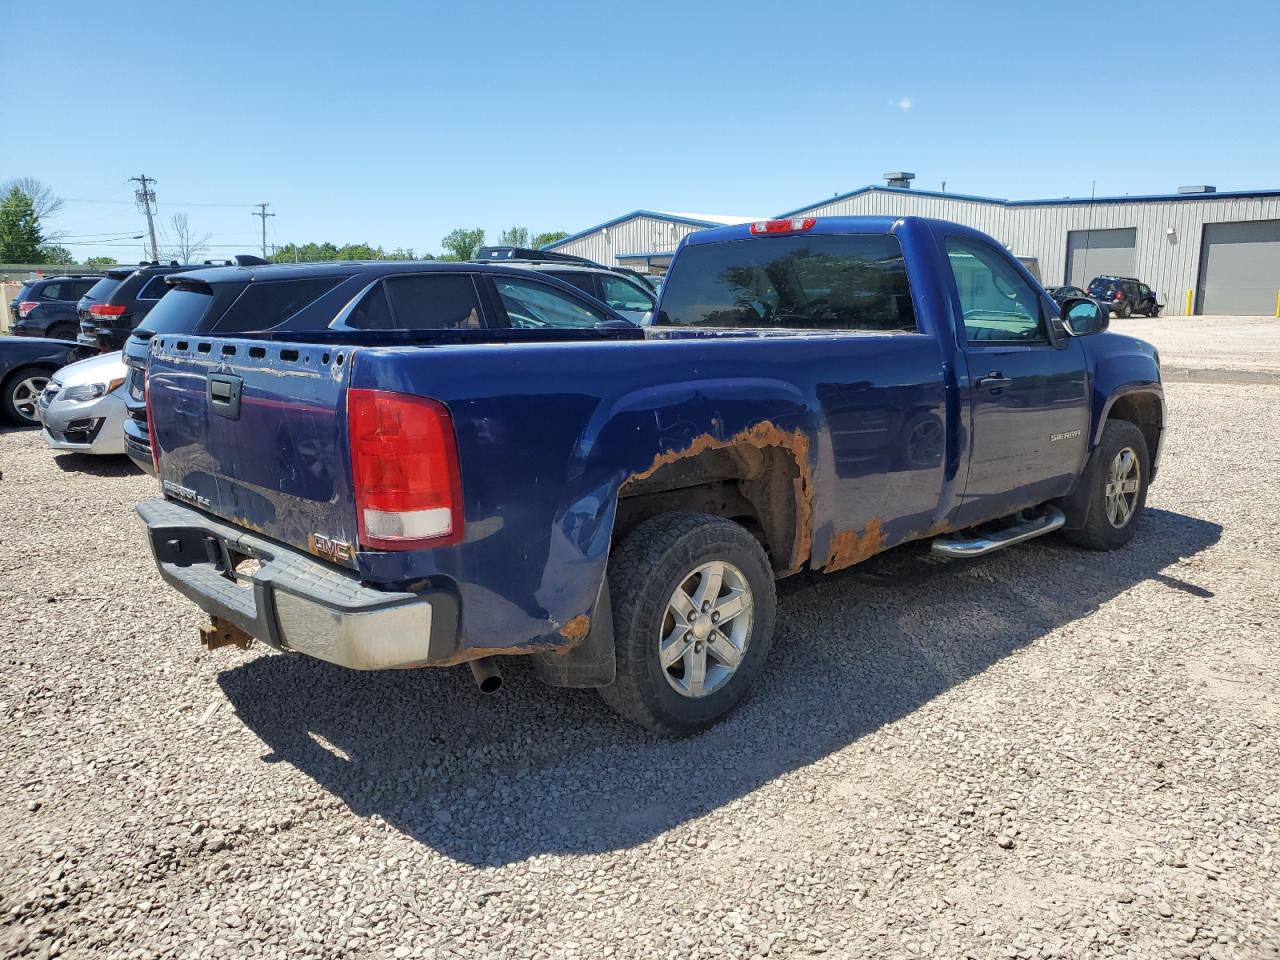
(404, 469)
(106, 310)
(151, 422)
(26, 306)
(1119, 295)
(794, 225)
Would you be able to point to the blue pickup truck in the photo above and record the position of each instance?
(617, 501)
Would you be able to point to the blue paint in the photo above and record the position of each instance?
(548, 432)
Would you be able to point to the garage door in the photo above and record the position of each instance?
(1240, 268)
(1099, 253)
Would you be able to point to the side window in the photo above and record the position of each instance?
(623, 294)
(373, 312)
(536, 306)
(584, 281)
(51, 291)
(997, 303)
(446, 301)
(154, 290)
(269, 303)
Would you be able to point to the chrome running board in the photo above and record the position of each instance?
(1049, 520)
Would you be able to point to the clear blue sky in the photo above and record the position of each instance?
(391, 123)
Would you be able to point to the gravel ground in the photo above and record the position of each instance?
(1221, 347)
(1043, 753)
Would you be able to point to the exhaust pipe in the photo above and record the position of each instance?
(486, 675)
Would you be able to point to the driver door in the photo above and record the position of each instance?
(1028, 395)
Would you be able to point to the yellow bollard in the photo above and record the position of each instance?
(1278, 303)
(1191, 295)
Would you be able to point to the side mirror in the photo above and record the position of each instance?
(1083, 317)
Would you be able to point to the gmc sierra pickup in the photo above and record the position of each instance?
(616, 502)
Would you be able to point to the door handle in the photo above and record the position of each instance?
(993, 381)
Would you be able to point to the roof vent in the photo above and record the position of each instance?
(1200, 188)
(901, 180)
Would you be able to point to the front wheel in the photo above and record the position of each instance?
(19, 395)
(693, 601)
(1119, 488)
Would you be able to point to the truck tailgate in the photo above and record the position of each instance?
(255, 433)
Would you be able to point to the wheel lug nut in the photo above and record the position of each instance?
(715, 618)
(706, 605)
(688, 636)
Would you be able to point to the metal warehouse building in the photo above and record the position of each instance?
(642, 240)
(1201, 251)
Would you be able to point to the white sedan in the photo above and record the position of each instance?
(82, 407)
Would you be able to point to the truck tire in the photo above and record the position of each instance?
(1119, 488)
(1124, 310)
(693, 612)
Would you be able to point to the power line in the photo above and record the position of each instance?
(263, 214)
(146, 198)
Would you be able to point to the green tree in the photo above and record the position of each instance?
(100, 262)
(515, 237)
(56, 255)
(317, 252)
(462, 244)
(542, 239)
(20, 235)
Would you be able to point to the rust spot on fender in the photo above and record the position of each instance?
(851, 546)
(762, 435)
(576, 630)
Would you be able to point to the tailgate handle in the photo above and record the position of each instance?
(223, 391)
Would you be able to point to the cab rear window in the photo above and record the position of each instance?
(840, 282)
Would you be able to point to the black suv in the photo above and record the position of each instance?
(456, 300)
(121, 299)
(1125, 296)
(46, 307)
(623, 290)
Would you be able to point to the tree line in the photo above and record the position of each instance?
(460, 244)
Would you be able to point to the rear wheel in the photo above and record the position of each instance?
(693, 601)
(1119, 491)
(19, 394)
(1124, 311)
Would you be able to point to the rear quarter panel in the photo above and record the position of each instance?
(548, 434)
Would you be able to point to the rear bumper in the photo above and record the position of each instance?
(294, 602)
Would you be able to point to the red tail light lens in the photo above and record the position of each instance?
(106, 310)
(794, 225)
(404, 468)
(1119, 294)
(26, 306)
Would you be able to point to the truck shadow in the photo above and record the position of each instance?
(533, 770)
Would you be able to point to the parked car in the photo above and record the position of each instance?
(617, 502)
(121, 301)
(622, 290)
(46, 307)
(452, 298)
(1062, 294)
(1125, 295)
(82, 406)
(26, 364)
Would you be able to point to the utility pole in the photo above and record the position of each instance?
(262, 212)
(146, 200)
